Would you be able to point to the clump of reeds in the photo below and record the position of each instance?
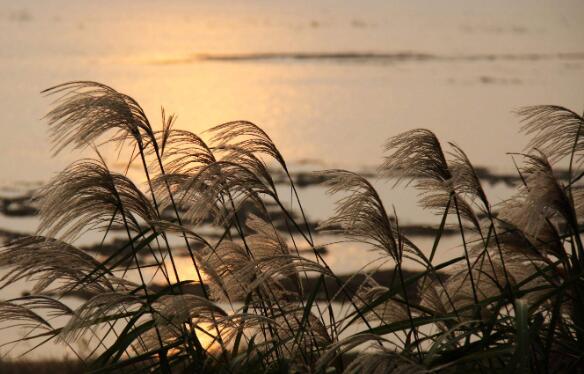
(513, 301)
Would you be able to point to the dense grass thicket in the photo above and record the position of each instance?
(511, 302)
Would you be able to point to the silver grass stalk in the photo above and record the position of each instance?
(555, 130)
(208, 194)
(389, 311)
(417, 156)
(254, 141)
(84, 111)
(247, 136)
(51, 262)
(276, 327)
(465, 179)
(360, 215)
(54, 308)
(540, 203)
(174, 310)
(95, 310)
(183, 152)
(22, 316)
(86, 196)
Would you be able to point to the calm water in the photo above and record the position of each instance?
(313, 108)
(328, 81)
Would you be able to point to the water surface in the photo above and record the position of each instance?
(329, 81)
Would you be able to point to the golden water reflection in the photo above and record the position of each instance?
(186, 270)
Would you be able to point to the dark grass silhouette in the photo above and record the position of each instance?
(41, 367)
(512, 302)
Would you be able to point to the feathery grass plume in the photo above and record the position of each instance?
(227, 269)
(541, 235)
(303, 350)
(208, 194)
(247, 136)
(540, 203)
(521, 271)
(87, 196)
(250, 142)
(53, 307)
(299, 350)
(265, 239)
(260, 312)
(250, 323)
(247, 143)
(98, 310)
(557, 131)
(266, 242)
(389, 311)
(464, 293)
(167, 129)
(467, 183)
(523, 266)
(51, 262)
(184, 153)
(33, 313)
(184, 157)
(22, 316)
(173, 312)
(360, 215)
(86, 110)
(434, 298)
(465, 178)
(275, 269)
(437, 195)
(248, 160)
(417, 155)
(234, 272)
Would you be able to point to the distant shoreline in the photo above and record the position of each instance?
(369, 57)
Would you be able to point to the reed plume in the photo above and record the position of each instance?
(253, 299)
